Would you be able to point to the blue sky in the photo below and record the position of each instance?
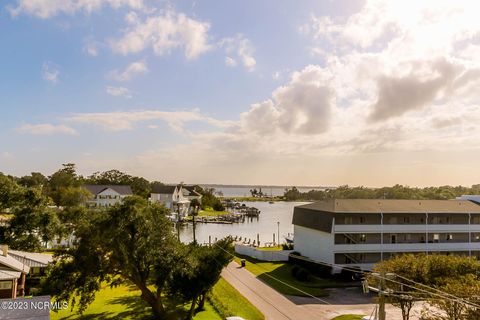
(269, 92)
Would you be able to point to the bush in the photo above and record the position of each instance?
(218, 206)
(295, 270)
(317, 269)
(302, 275)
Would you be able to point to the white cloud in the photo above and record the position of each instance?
(242, 48)
(133, 69)
(118, 92)
(230, 62)
(163, 33)
(50, 72)
(45, 9)
(46, 129)
(119, 121)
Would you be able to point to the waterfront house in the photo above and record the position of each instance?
(175, 197)
(362, 232)
(107, 195)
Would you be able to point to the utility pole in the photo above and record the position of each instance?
(195, 210)
(278, 232)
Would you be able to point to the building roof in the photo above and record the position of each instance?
(319, 215)
(121, 189)
(9, 275)
(163, 189)
(393, 206)
(31, 259)
(9, 263)
(190, 191)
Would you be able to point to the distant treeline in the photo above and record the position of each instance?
(395, 192)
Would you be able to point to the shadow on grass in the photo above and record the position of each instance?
(329, 289)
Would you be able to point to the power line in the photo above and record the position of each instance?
(282, 282)
(444, 295)
(246, 285)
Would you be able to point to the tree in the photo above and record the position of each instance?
(61, 185)
(132, 242)
(404, 266)
(34, 180)
(32, 222)
(445, 273)
(198, 270)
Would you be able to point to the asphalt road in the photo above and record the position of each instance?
(276, 306)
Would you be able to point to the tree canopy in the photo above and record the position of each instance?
(133, 242)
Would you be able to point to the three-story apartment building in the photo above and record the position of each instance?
(358, 232)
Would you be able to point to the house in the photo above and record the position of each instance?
(16, 267)
(175, 197)
(358, 232)
(12, 276)
(107, 195)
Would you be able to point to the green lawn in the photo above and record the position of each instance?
(123, 302)
(349, 317)
(282, 271)
(228, 302)
(209, 212)
(277, 248)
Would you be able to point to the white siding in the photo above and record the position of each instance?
(314, 244)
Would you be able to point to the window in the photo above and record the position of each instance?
(406, 219)
(393, 238)
(348, 220)
(393, 220)
(436, 237)
(449, 237)
(362, 219)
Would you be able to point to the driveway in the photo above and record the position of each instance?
(276, 306)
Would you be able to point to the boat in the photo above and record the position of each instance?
(288, 239)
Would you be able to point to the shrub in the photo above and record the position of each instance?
(218, 206)
(295, 270)
(302, 275)
(312, 266)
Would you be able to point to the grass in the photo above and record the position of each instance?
(209, 212)
(349, 317)
(227, 301)
(276, 248)
(282, 271)
(123, 302)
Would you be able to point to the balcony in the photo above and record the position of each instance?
(405, 228)
(406, 247)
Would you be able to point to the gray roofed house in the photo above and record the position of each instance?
(123, 190)
(107, 195)
(12, 275)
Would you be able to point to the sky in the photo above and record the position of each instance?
(276, 92)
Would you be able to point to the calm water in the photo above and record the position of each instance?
(265, 226)
(245, 191)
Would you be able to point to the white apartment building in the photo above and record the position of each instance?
(107, 195)
(358, 232)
